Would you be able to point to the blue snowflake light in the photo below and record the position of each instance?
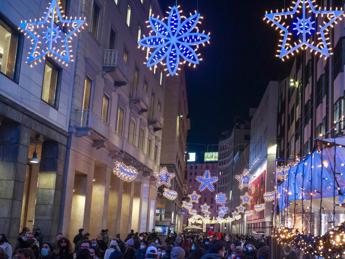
(163, 178)
(174, 40)
(51, 35)
(220, 198)
(304, 26)
(207, 181)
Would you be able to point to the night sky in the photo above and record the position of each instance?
(237, 65)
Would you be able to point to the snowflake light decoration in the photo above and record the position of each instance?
(174, 40)
(194, 197)
(243, 179)
(124, 172)
(298, 34)
(245, 198)
(220, 198)
(207, 181)
(51, 35)
(170, 194)
(163, 178)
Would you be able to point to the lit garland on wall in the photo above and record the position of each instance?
(207, 181)
(163, 178)
(124, 172)
(174, 40)
(170, 194)
(51, 35)
(220, 198)
(194, 197)
(297, 33)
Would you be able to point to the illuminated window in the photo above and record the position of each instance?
(120, 121)
(125, 56)
(86, 94)
(161, 78)
(142, 139)
(105, 108)
(128, 17)
(131, 132)
(95, 19)
(8, 50)
(139, 33)
(50, 84)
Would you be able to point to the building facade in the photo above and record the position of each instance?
(117, 115)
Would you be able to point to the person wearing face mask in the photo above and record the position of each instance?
(5, 245)
(93, 254)
(113, 248)
(46, 251)
(140, 253)
(217, 251)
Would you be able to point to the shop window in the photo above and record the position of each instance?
(105, 108)
(120, 121)
(96, 11)
(50, 84)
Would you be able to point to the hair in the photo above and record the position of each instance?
(27, 252)
(83, 254)
(68, 246)
(217, 246)
(4, 238)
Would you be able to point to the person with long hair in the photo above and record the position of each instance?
(63, 249)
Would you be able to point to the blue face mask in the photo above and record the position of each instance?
(44, 251)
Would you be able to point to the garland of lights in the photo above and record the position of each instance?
(163, 178)
(170, 194)
(51, 35)
(124, 172)
(298, 25)
(174, 40)
(194, 197)
(207, 181)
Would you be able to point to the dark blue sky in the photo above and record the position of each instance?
(237, 65)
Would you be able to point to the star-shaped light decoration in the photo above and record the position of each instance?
(205, 208)
(220, 198)
(170, 194)
(223, 209)
(163, 178)
(304, 26)
(207, 181)
(51, 35)
(243, 179)
(194, 197)
(241, 209)
(187, 205)
(174, 40)
(269, 196)
(124, 172)
(245, 198)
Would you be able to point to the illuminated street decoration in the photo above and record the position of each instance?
(205, 208)
(207, 181)
(220, 198)
(163, 178)
(51, 35)
(193, 212)
(259, 207)
(223, 210)
(170, 194)
(187, 205)
(175, 40)
(243, 179)
(194, 197)
(269, 196)
(241, 209)
(298, 25)
(245, 198)
(124, 172)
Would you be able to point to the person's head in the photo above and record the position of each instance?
(87, 236)
(130, 242)
(141, 236)
(25, 253)
(92, 252)
(118, 236)
(233, 247)
(3, 238)
(178, 241)
(84, 245)
(151, 252)
(46, 249)
(83, 254)
(81, 231)
(113, 244)
(64, 243)
(93, 243)
(58, 236)
(132, 231)
(218, 247)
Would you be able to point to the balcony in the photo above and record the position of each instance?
(111, 66)
(156, 122)
(139, 103)
(89, 124)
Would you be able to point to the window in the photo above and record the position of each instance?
(112, 39)
(125, 56)
(105, 108)
(139, 33)
(8, 50)
(146, 87)
(339, 115)
(86, 94)
(128, 17)
(95, 19)
(50, 84)
(135, 83)
(119, 121)
(131, 132)
(156, 154)
(142, 139)
(149, 148)
(161, 78)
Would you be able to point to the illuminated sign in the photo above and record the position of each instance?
(211, 157)
(192, 157)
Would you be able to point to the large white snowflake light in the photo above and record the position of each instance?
(51, 35)
(174, 40)
(304, 26)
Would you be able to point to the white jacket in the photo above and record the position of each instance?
(7, 248)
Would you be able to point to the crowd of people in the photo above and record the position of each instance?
(32, 245)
